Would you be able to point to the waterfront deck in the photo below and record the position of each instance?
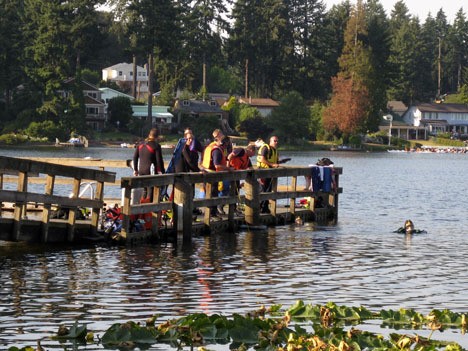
(30, 219)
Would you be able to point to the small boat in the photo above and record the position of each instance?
(73, 142)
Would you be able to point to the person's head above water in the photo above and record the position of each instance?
(409, 226)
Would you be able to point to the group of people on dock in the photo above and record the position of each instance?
(219, 155)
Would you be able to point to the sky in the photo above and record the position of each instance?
(420, 8)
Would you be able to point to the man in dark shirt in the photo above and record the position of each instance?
(147, 158)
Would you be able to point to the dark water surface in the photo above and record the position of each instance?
(358, 262)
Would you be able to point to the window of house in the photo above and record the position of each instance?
(131, 73)
(120, 73)
(213, 103)
(92, 110)
(186, 103)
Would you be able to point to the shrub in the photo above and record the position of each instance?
(13, 139)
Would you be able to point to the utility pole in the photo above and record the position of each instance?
(439, 68)
(150, 91)
(246, 78)
(134, 68)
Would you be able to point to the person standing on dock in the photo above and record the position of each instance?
(148, 159)
(268, 158)
(214, 160)
(219, 135)
(239, 159)
(188, 161)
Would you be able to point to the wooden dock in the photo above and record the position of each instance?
(31, 218)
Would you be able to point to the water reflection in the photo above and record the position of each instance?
(360, 261)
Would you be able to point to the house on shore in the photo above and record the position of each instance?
(96, 115)
(122, 75)
(439, 118)
(264, 105)
(198, 109)
(160, 116)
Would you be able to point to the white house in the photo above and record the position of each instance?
(122, 75)
(109, 93)
(439, 118)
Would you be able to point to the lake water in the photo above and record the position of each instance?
(360, 261)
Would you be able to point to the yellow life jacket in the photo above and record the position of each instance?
(272, 156)
(206, 162)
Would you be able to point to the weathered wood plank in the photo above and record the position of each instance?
(61, 201)
(28, 166)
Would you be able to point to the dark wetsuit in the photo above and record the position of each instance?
(188, 162)
(147, 154)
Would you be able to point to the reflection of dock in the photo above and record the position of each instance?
(31, 217)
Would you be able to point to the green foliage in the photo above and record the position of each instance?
(136, 126)
(332, 327)
(75, 332)
(290, 120)
(355, 140)
(167, 95)
(447, 141)
(13, 139)
(202, 126)
(248, 112)
(224, 80)
(254, 128)
(120, 109)
(464, 93)
(46, 129)
(120, 334)
(315, 121)
(90, 76)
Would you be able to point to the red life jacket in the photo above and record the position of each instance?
(240, 162)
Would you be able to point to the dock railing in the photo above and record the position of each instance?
(184, 200)
(23, 169)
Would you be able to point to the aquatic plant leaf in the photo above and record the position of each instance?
(244, 335)
(129, 331)
(116, 333)
(300, 310)
(446, 317)
(76, 332)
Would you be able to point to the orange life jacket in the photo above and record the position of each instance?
(206, 162)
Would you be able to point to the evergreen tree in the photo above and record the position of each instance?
(404, 60)
(258, 40)
(290, 120)
(350, 106)
(11, 41)
(457, 55)
(47, 53)
(308, 71)
(379, 44)
(399, 16)
(204, 23)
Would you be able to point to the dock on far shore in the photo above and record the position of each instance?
(31, 217)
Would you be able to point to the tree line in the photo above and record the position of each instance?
(344, 63)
